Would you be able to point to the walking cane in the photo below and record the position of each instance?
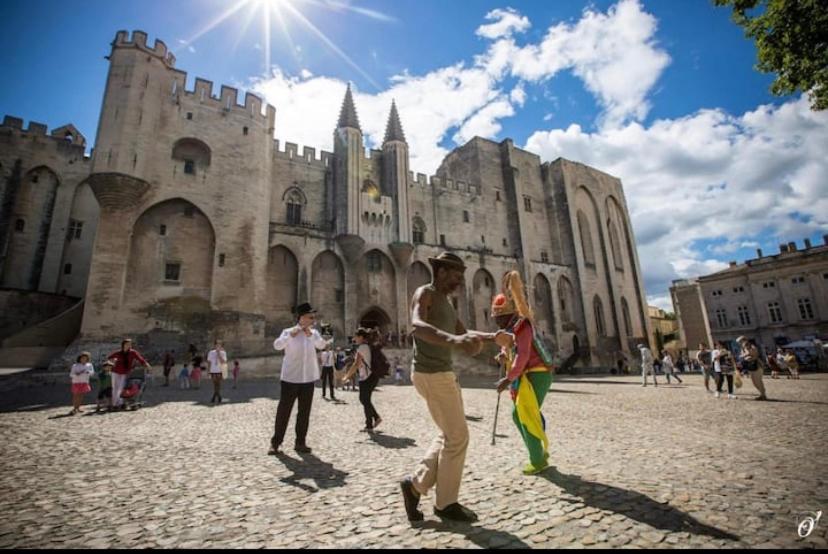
(497, 408)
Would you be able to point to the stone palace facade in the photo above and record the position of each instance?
(190, 221)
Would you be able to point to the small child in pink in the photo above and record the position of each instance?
(236, 370)
(80, 374)
(195, 376)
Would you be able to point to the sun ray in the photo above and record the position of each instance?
(245, 25)
(219, 19)
(286, 31)
(266, 23)
(329, 43)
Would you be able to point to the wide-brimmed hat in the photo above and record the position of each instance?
(109, 362)
(303, 309)
(640, 346)
(82, 354)
(502, 305)
(742, 338)
(447, 259)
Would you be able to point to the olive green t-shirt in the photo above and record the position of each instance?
(433, 358)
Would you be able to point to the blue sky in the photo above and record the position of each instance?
(661, 94)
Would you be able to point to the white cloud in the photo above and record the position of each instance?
(305, 74)
(708, 176)
(518, 95)
(506, 22)
(613, 53)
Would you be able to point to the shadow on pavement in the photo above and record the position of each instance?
(633, 505)
(571, 391)
(595, 382)
(481, 536)
(324, 474)
(390, 441)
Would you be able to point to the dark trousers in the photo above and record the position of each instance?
(720, 380)
(366, 389)
(217, 378)
(675, 376)
(290, 392)
(328, 377)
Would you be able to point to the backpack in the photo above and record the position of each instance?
(379, 363)
(543, 351)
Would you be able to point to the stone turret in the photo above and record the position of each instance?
(347, 114)
(395, 173)
(393, 129)
(349, 152)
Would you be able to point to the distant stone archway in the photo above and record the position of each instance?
(282, 286)
(376, 318)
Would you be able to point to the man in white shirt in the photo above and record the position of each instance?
(300, 370)
(217, 361)
(647, 364)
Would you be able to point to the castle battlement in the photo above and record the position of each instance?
(139, 41)
(447, 185)
(202, 91)
(65, 134)
(308, 155)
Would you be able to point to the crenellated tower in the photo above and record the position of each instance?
(348, 150)
(395, 173)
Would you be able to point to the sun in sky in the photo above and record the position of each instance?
(280, 16)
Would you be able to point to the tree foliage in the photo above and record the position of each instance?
(792, 41)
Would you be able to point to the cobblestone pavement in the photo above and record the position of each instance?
(666, 467)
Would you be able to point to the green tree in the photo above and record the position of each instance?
(792, 41)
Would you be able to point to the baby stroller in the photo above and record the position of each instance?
(133, 393)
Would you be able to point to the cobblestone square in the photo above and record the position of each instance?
(666, 467)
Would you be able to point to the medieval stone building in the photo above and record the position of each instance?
(208, 227)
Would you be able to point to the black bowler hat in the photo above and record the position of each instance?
(447, 259)
(303, 309)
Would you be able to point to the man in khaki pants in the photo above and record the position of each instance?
(436, 331)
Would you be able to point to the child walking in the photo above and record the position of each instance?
(104, 386)
(80, 373)
(184, 377)
(236, 370)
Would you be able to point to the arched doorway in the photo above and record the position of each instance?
(376, 318)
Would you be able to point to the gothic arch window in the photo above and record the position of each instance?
(418, 230)
(615, 244)
(565, 299)
(627, 321)
(195, 154)
(295, 201)
(370, 187)
(586, 239)
(598, 308)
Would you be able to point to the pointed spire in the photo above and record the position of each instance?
(347, 115)
(394, 130)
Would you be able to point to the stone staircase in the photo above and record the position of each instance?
(37, 345)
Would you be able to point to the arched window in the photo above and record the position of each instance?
(598, 308)
(294, 200)
(565, 298)
(627, 321)
(418, 230)
(194, 153)
(586, 239)
(615, 245)
(371, 188)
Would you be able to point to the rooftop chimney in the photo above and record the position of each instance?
(758, 252)
(783, 248)
(807, 243)
(791, 247)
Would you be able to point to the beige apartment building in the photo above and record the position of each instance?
(773, 300)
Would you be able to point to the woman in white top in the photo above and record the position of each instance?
(217, 360)
(668, 367)
(367, 381)
(80, 373)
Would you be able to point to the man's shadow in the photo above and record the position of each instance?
(633, 505)
(324, 475)
(390, 441)
(481, 536)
